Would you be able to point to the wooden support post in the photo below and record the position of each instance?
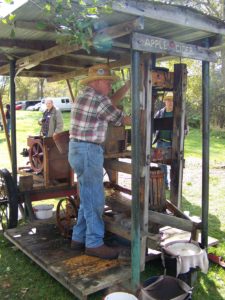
(13, 120)
(145, 153)
(70, 90)
(135, 217)
(180, 85)
(205, 152)
(117, 166)
(29, 209)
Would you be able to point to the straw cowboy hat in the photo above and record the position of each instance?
(97, 72)
(168, 96)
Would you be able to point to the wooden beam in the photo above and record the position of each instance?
(37, 74)
(78, 74)
(37, 45)
(143, 42)
(178, 15)
(70, 90)
(111, 32)
(114, 53)
(167, 220)
(74, 61)
(33, 60)
(122, 28)
(35, 26)
(50, 69)
(118, 166)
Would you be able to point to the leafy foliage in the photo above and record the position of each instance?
(75, 20)
(211, 7)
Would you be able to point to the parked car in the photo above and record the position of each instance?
(31, 103)
(26, 103)
(19, 106)
(35, 107)
(62, 103)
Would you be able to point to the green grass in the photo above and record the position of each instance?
(20, 278)
(212, 285)
(193, 145)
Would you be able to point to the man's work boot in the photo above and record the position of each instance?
(78, 246)
(103, 251)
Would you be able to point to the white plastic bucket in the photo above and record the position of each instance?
(120, 296)
(43, 211)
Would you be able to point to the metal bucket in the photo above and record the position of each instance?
(181, 259)
(165, 288)
(62, 141)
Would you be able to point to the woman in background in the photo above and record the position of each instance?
(52, 121)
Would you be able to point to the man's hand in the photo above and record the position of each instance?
(127, 120)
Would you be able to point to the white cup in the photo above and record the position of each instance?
(120, 296)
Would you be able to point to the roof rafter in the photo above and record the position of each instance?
(113, 32)
(34, 26)
(172, 14)
(81, 73)
(37, 45)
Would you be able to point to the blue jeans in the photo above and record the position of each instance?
(86, 159)
(165, 168)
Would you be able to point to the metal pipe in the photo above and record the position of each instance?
(135, 139)
(205, 152)
(13, 120)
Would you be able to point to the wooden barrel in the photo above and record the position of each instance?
(62, 141)
(156, 190)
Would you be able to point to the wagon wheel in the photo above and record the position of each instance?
(8, 201)
(66, 215)
(36, 156)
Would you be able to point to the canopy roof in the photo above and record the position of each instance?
(37, 53)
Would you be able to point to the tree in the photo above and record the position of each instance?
(73, 19)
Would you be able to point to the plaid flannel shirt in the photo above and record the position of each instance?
(90, 115)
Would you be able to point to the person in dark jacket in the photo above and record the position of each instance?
(163, 138)
(8, 118)
(1, 126)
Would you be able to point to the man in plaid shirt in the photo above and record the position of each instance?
(90, 115)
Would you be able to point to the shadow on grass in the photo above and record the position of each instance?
(206, 290)
(205, 286)
(214, 223)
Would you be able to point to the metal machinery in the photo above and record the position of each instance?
(45, 159)
(48, 175)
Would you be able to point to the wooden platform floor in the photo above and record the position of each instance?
(82, 275)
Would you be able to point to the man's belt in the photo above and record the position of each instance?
(82, 141)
